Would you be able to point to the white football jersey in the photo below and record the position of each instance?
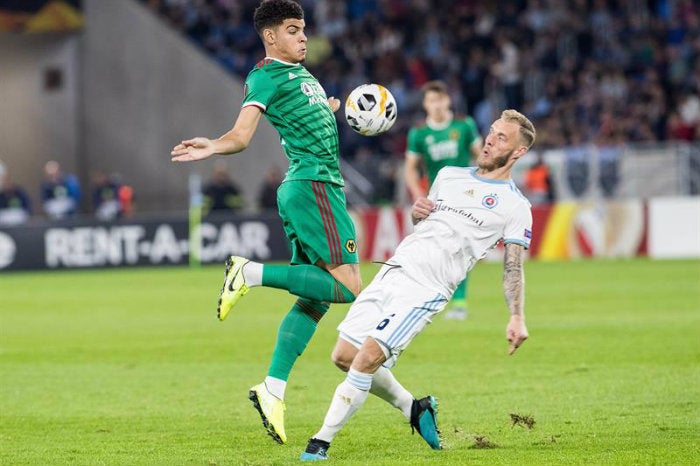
(471, 215)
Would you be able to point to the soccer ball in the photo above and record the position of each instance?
(370, 109)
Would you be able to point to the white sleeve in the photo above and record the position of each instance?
(518, 229)
(435, 187)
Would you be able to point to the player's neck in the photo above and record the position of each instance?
(441, 122)
(500, 173)
(271, 54)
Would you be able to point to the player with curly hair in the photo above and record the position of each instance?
(324, 266)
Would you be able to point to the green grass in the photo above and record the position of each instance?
(131, 367)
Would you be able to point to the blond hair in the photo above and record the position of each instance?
(527, 129)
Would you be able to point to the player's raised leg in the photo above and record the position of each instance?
(324, 252)
(312, 282)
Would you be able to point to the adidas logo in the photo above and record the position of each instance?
(292, 75)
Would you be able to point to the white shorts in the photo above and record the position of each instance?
(393, 309)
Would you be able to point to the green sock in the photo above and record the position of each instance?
(294, 334)
(307, 281)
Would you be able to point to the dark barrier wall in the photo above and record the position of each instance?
(151, 241)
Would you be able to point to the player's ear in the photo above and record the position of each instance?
(519, 152)
(269, 36)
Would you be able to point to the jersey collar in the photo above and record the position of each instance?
(282, 61)
(472, 172)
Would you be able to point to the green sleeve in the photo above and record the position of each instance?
(259, 89)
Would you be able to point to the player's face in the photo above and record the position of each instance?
(501, 143)
(288, 41)
(436, 105)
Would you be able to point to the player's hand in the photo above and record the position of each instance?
(516, 333)
(192, 149)
(334, 104)
(421, 209)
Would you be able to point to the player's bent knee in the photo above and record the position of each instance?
(349, 276)
(354, 286)
(341, 362)
(370, 357)
(343, 355)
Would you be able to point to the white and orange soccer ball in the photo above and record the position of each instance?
(370, 109)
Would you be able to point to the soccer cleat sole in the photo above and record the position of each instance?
(434, 406)
(253, 397)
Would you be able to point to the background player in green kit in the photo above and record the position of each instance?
(310, 200)
(442, 141)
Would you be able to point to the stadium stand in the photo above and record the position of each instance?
(587, 72)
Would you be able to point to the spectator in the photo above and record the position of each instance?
(609, 145)
(15, 206)
(105, 197)
(60, 194)
(126, 199)
(577, 164)
(267, 197)
(539, 187)
(507, 70)
(221, 194)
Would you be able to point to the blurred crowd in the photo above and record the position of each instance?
(591, 74)
(583, 70)
(60, 196)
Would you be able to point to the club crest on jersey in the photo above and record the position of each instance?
(314, 92)
(490, 201)
(307, 89)
(351, 246)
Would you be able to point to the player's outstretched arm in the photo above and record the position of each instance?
(234, 141)
(514, 290)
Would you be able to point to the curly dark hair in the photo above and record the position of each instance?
(272, 13)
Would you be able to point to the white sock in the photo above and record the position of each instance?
(346, 400)
(252, 273)
(276, 386)
(386, 387)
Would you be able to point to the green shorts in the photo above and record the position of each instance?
(316, 222)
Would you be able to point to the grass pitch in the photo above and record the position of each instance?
(130, 367)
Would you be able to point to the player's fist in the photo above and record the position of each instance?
(421, 209)
(334, 104)
(516, 333)
(192, 149)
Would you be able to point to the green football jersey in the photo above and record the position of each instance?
(442, 147)
(294, 103)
